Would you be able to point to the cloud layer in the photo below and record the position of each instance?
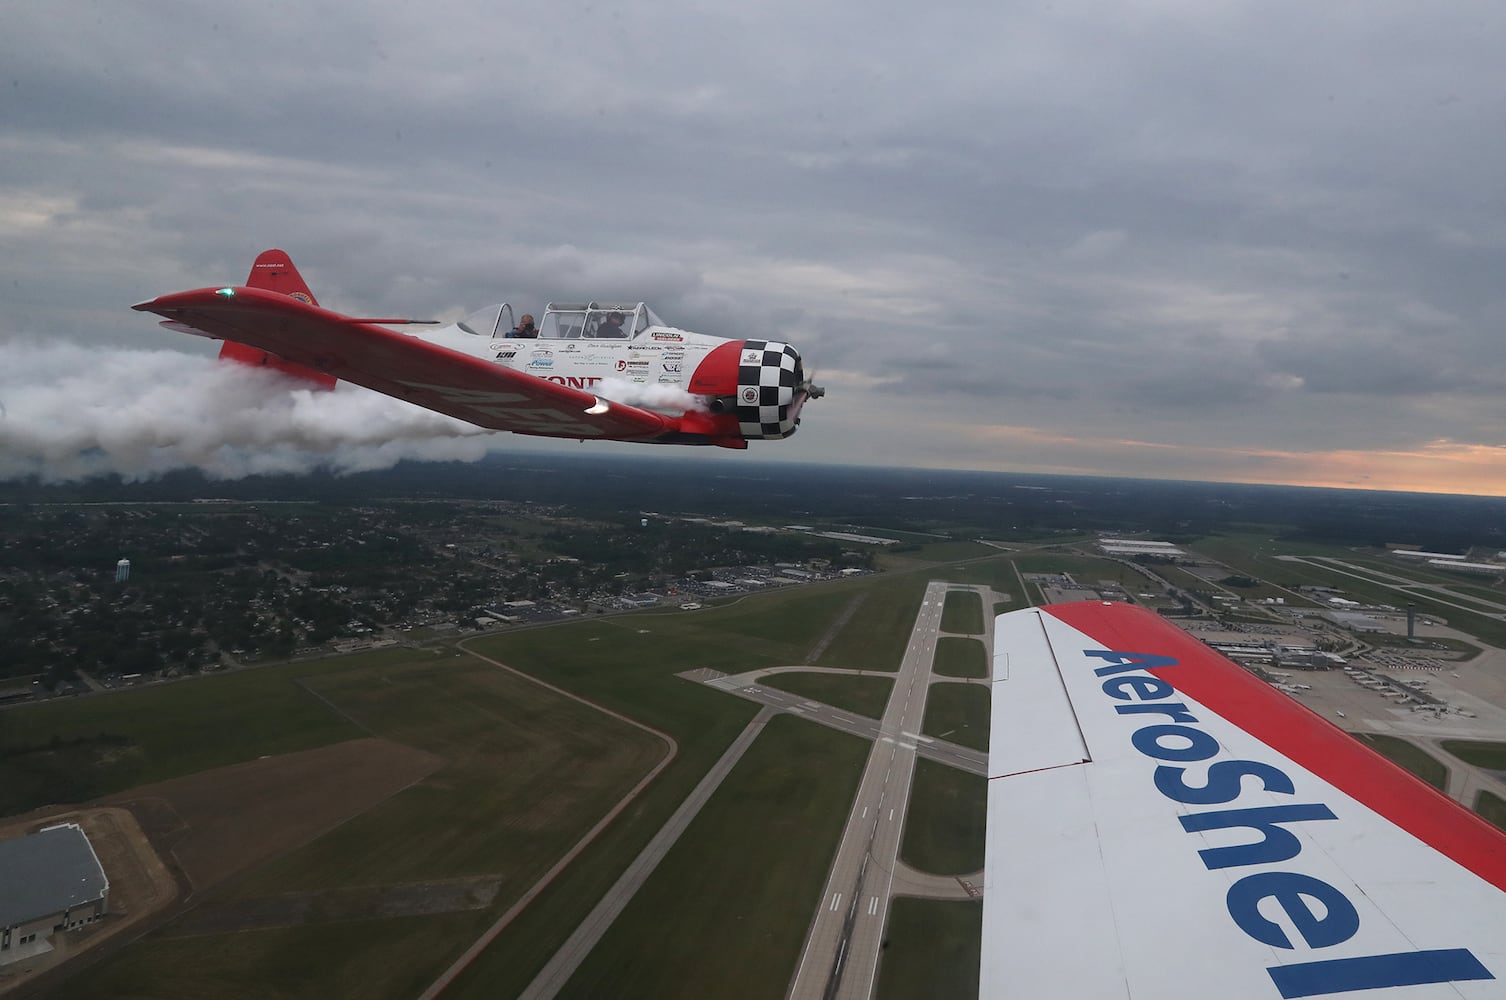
(1224, 230)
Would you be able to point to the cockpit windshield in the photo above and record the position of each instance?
(489, 322)
(595, 321)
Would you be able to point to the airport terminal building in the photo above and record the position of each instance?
(50, 881)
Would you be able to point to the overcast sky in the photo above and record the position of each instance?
(1252, 241)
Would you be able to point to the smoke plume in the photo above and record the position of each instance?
(666, 398)
(70, 412)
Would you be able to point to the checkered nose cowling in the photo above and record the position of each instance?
(768, 379)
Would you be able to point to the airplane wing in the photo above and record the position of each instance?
(1162, 823)
(431, 376)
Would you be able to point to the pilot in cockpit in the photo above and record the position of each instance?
(611, 327)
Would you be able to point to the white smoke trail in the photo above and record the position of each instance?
(666, 398)
(70, 412)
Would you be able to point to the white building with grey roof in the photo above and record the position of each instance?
(50, 881)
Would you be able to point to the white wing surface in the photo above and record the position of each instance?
(1162, 824)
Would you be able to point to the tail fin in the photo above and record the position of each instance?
(274, 271)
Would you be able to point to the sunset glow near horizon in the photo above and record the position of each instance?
(1233, 242)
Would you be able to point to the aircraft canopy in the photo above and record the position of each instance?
(596, 321)
(492, 321)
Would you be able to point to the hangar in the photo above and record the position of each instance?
(49, 881)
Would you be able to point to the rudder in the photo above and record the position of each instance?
(273, 271)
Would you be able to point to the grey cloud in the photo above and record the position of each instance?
(1283, 219)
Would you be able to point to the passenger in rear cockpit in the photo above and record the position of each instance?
(611, 327)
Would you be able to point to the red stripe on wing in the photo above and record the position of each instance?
(1297, 732)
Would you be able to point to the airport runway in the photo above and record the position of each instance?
(841, 954)
(941, 751)
(840, 960)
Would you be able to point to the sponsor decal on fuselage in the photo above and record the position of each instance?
(543, 358)
(1253, 898)
(672, 367)
(573, 381)
(668, 337)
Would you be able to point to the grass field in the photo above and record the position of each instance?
(1253, 555)
(528, 772)
(1492, 595)
(997, 573)
(944, 824)
(963, 612)
(941, 552)
(796, 616)
(957, 656)
(1491, 756)
(526, 778)
(1410, 756)
(863, 695)
(528, 769)
(875, 637)
(358, 960)
(958, 712)
(1485, 607)
(932, 949)
(720, 922)
(169, 730)
(634, 673)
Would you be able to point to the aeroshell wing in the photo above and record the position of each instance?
(404, 367)
(1161, 823)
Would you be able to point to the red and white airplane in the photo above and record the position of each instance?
(1161, 823)
(595, 371)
